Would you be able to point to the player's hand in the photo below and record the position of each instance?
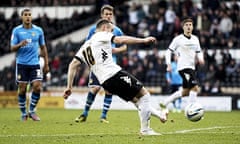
(45, 69)
(150, 39)
(67, 93)
(23, 43)
(169, 68)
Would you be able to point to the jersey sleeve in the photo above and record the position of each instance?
(41, 38)
(173, 45)
(91, 32)
(198, 46)
(117, 32)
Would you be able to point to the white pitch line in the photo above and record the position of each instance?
(200, 129)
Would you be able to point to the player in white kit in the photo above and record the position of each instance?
(187, 47)
(97, 54)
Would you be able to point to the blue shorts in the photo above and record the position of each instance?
(93, 81)
(28, 73)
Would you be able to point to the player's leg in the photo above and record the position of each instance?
(145, 110)
(192, 86)
(171, 98)
(22, 100)
(36, 77)
(187, 77)
(22, 81)
(130, 89)
(106, 105)
(35, 96)
(193, 94)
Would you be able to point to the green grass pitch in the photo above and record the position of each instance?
(57, 126)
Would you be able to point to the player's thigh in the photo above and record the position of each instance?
(93, 81)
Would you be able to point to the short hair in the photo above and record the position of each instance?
(102, 22)
(107, 7)
(187, 19)
(25, 10)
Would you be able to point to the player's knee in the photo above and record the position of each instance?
(22, 88)
(95, 89)
(185, 92)
(195, 88)
(37, 88)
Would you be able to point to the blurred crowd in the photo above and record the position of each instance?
(217, 24)
(17, 3)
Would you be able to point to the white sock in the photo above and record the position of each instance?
(144, 111)
(173, 97)
(192, 96)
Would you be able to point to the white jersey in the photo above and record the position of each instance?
(186, 49)
(97, 54)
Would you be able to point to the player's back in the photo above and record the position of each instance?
(97, 54)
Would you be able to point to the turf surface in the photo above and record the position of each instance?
(57, 126)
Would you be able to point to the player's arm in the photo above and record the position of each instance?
(199, 54)
(132, 40)
(72, 68)
(44, 54)
(200, 58)
(18, 46)
(168, 55)
(120, 49)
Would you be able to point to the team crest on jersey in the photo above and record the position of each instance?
(126, 79)
(33, 34)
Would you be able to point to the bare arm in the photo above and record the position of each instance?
(200, 58)
(44, 54)
(168, 60)
(120, 49)
(72, 68)
(133, 40)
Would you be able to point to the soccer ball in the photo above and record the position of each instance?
(194, 112)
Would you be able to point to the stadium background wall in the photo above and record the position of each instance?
(77, 100)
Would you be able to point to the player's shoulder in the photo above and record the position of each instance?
(178, 37)
(93, 28)
(194, 37)
(117, 31)
(18, 27)
(36, 27)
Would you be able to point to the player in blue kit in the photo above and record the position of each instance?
(107, 12)
(26, 40)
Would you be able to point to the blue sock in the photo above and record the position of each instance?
(90, 100)
(106, 105)
(34, 100)
(22, 103)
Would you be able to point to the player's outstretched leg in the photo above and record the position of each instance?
(170, 99)
(106, 106)
(89, 102)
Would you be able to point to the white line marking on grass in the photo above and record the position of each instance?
(201, 129)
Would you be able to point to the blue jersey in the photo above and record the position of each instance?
(28, 54)
(174, 75)
(116, 31)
